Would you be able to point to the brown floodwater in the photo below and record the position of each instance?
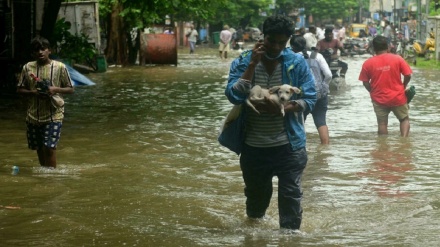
(139, 165)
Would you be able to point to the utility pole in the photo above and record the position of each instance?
(419, 19)
(427, 15)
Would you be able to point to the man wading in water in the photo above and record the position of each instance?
(274, 145)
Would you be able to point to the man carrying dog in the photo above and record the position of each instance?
(274, 145)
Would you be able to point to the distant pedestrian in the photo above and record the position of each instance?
(341, 34)
(381, 76)
(192, 39)
(372, 30)
(168, 31)
(311, 38)
(323, 75)
(225, 39)
(319, 33)
(388, 31)
(239, 36)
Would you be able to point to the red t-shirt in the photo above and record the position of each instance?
(384, 73)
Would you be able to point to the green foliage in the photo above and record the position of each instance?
(324, 9)
(432, 11)
(427, 64)
(69, 46)
(243, 13)
(141, 13)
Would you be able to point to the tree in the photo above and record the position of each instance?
(124, 15)
(242, 13)
(321, 9)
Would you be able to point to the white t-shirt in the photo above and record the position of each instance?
(341, 34)
(311, 40)
(320, 34)
(193, 36)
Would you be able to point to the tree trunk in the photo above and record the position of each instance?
(116, 51)
(49, 18)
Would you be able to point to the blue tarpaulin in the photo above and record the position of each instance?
(78, 78)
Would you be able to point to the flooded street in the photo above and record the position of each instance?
(139, 165)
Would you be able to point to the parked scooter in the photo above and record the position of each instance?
(426, 49)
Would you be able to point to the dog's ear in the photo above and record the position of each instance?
(274, 89)
(295, 90)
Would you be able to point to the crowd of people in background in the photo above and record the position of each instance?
(312, 34)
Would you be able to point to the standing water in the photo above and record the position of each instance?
(139, 165)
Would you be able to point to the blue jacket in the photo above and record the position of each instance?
(295, 72)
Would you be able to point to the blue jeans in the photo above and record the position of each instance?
(192, 46)
(259, 166)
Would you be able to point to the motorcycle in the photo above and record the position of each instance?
(399, 45)
(356, 46)
(337, 83)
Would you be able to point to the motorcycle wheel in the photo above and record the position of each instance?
(405, 54)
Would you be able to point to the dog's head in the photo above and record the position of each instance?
(285, 92)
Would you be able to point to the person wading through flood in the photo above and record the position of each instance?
(323, 75)
(274, 145)
(44, 117)
(225, 39)
(381, 76)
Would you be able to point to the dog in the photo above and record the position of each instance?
(278, 94)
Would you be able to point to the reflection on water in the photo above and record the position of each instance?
(389, 165)
(139, 165)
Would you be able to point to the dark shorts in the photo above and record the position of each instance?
(47, 134)
(319, 113)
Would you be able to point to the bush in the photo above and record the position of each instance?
(72, 47)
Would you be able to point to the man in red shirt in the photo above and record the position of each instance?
(381, 76)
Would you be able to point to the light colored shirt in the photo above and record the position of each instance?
(387, 31)
(324, 66)
(320, 34)
(193, 36)
(41, 110)
(311, 40)
(341, 34)
(336, 33)
(225, 36)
